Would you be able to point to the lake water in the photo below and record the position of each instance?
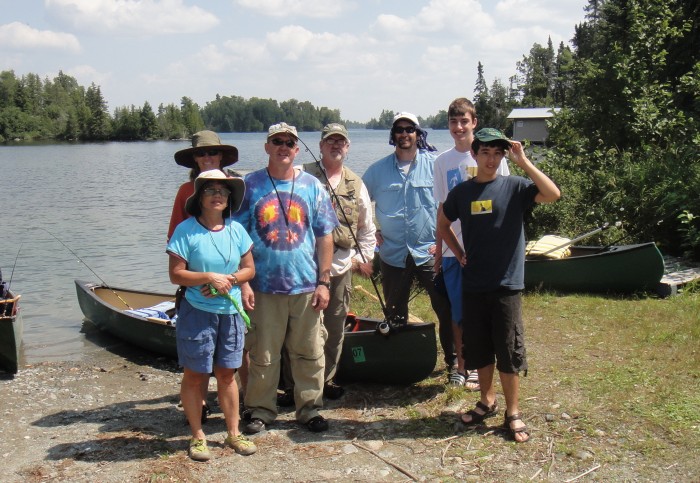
(110, 204)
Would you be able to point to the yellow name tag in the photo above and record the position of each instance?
(481, 207)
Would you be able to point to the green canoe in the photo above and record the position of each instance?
(404, 355)
(621, 269)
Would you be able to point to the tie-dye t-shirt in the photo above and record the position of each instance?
(284, 250)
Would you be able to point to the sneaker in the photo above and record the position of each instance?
(333, 391)
(198, 450)
(286, 398)
(253, 425)
(317, 424)
(241, 444)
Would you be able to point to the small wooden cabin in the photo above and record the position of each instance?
(530, 123)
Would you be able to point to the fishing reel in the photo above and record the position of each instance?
(391, 324)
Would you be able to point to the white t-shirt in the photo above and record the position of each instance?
(451, 168)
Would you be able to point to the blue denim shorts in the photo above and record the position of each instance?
(205, 339)
(452, 273)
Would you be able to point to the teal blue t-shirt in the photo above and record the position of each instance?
(210, 251)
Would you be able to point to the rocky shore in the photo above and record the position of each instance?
(115, 418)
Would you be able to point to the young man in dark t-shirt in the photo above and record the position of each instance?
(491, 209)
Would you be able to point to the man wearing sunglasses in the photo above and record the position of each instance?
(290, 219)
(401, 185)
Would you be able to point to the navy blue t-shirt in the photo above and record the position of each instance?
(492, 217)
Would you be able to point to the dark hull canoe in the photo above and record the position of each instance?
(105, 307)
(11, 328)
(404, 356)
(620, 269)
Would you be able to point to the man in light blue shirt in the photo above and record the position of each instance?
(401, 185)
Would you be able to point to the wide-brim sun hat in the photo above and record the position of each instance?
(235, 185)
(207, 140)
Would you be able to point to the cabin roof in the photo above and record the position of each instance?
(533, 113)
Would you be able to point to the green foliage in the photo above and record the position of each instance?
(438, 121)
(628, 149)
(61, 109)
(690, 233)
(228, 114)
(385, 121)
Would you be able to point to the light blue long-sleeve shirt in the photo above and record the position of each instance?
(405, 207)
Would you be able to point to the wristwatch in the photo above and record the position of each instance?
(325, 284)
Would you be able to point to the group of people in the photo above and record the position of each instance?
(279, 248)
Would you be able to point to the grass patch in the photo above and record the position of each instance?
(615, 376)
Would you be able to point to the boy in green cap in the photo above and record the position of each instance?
(491, 209)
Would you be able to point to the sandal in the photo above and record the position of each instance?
(512, 432)
(456, 379)
(478, 418)
(472, 382)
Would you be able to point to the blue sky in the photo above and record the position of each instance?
(359, 56)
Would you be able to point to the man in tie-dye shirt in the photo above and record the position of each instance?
(290, 219)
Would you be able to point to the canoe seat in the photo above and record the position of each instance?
(158, 311)
(549, 246)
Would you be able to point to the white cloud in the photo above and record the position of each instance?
(131, 17)
(86, 75)
(293, 42)
(546, 13)
(447, 17)
(19, 36)
(305, 8)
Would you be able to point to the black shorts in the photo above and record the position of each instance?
(492, 328)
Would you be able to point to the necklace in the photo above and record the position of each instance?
(279, 198)
(230, 246)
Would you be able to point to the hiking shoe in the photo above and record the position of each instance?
(286, 398)
(198, 450)
(333, 391)
(241, 444)
(253, 425)
(317, 424)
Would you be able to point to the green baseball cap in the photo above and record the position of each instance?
(334, 128)
(489, 134)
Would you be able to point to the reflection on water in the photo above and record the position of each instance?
(110, 203)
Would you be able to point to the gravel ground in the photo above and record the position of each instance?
(115, 419)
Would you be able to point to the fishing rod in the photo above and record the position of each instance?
(12, 273)
(352, 232)
(88, 267)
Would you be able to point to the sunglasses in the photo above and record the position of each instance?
(401, 130)
(279, 142)
(210, 152)
(338, 142)
(213, 191)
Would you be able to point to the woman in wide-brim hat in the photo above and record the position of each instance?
(207, 250)
(207, 152)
